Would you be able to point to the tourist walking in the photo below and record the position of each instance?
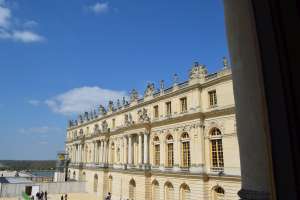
(66, 197)
(45, 195)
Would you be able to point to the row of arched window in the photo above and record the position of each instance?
(216, 150)
(185, 151)
(218, 193)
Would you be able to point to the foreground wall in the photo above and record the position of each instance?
(15, 189)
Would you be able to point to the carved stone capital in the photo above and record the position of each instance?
(253, 195)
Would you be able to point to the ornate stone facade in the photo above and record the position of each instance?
(174, 143)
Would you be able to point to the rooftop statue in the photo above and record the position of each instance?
(86, 116)
(104, 126)
(110, 106)
(162, 85)
(225, 63)
(71, 123)
(134, 95)
(175, 79)
(80, 118)
(149, 90)
(118, 104)
(102, 110)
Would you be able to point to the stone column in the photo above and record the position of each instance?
(105, 151)
(146, 149)
(125, 150)
(140, 160)
(249, 100)
(100, 156)
(130, 149)
(80, 153)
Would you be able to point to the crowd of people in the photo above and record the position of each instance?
(40, 196)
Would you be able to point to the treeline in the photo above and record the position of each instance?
(27, 165)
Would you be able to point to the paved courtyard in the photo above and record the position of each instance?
(73, 196)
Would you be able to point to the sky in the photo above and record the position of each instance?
(60, 58)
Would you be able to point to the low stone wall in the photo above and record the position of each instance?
(16, 189)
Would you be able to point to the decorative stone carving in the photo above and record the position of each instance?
(128, 119)
(102, 110)
(134, 95)
(104, 126)
(198, 71)
(149, 90)
(110, 106)
(143, 116)
(96, 129)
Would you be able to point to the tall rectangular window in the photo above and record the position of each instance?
(183, 104)
(170, 155)
(186, 157)
(217, 153)
(212, 98)
(155, 110)
(157, 155)
(169, 108)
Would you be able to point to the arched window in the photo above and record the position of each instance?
(216, 150)
(170, 151)
(185, 150)
(169, 191)
(156, 153)
(83, 176)
(74, 175)
(155, 190)
(95, 183)
(218, 193)
(112, 155)
(110, 180)
(132, 189)
(185, 192)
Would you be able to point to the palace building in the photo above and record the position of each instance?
(173, 143)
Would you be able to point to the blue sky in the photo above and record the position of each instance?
(60, 57)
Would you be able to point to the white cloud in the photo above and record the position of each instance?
(82, 99)
(5, 16)
(39, 130)
(34, 102)
(13, 31)
(26, 36)
(99, 8)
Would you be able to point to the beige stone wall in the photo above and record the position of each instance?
(125, 153)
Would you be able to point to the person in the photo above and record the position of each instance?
(66, 197)
(46, 195)
(42, 195)
(108, 196)
(62, 197)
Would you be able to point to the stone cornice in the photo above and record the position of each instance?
(147, 126)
